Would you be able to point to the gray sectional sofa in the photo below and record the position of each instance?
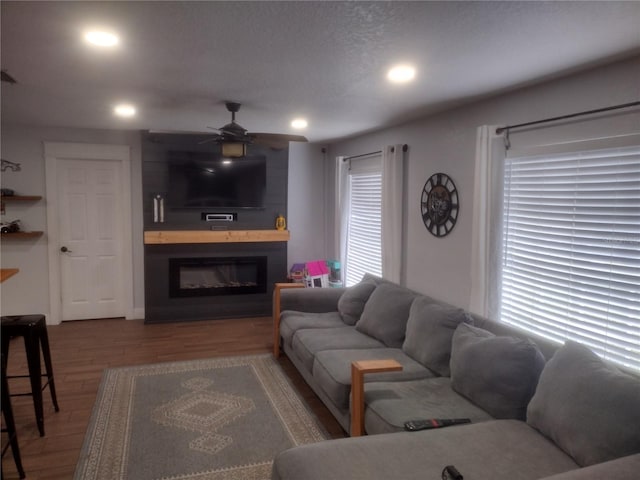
(537, 409)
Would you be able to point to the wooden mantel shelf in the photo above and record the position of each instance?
(168, 237)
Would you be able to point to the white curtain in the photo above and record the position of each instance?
(392, 199)
(392, 211)
(342, 207)
(487, 221)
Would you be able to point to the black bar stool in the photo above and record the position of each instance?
(33, 329)
(7, 413)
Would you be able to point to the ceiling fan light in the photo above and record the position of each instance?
(234, 149)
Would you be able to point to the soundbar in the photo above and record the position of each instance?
(219, 217)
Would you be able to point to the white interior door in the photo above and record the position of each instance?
(89, 213)
(90, 226)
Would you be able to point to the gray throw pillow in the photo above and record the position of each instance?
(385, 314)
(429, 332)
(498, 374)
(370, 278)
(590, 409)
(352, 301)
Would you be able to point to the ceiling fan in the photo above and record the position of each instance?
(234, 138)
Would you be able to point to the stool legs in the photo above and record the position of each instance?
(35, 377)
(46, 353)
(33, 330)
(9, 421)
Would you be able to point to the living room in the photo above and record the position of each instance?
(442, 139)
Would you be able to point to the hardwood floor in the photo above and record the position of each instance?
(82, 350)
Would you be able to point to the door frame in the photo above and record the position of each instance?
(54, 151)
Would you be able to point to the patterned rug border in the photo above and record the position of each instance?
(111, 417)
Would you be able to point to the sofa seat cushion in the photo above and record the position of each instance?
(589, 408)
(390, 404)
(499, 374)
(292, 321)
(332, 370)
(307, 343)
(496, 450)
(386, 313)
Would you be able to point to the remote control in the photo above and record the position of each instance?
(415, 425)
(452, 473)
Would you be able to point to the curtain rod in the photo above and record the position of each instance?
(564, 117)
(405, 147)
(362, 155)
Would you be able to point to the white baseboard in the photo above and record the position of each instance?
(138, 314)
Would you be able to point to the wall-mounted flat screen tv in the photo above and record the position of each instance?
(208, 180)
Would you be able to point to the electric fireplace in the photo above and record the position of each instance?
(210, 276)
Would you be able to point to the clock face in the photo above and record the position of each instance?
(439, 204)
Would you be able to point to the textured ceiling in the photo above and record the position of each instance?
(178, 61)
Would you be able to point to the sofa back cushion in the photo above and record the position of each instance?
(385, 314)
(352, 301)
(589, 408)
(429, 332)
(499, 374)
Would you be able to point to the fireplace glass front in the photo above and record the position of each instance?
(203, 276)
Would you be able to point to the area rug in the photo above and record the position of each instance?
(215, 419)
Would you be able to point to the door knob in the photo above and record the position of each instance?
(64, 250)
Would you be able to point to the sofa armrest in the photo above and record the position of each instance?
(311, 300)
(358, 371)
(277, 289)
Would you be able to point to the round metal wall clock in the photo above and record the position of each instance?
(439, 204)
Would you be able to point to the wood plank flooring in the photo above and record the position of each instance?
(80, 352)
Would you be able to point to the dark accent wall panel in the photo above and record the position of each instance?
(159, 307)
(156, 180)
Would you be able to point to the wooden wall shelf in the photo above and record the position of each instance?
(18, 235)
(169, 237)
(21, 198)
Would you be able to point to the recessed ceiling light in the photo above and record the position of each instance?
(124, 110)
(401, 74)
(101, 38)
(299, 123)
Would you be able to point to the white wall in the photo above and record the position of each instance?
(306, 198)
(445, 143)
(28, 292)
(440, 143)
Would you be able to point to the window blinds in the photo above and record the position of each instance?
(364, 252)
(571, 249)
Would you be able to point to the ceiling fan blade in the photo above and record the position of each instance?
(232, 136)
(276, 140)
(209, 140)
(5, 77)
(169, 136)
(177, 132)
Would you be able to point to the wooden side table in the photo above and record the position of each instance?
(358, 371)
(276, 314)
